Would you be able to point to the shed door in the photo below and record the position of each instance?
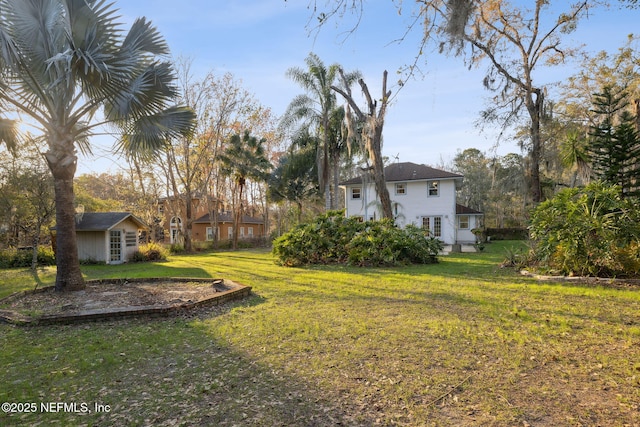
(115, 246)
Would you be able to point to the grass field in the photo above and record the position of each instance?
(459, 343)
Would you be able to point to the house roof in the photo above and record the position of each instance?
(464, 210)
(227, 217)
(408, 171)
(103, 221)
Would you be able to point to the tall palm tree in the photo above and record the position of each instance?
(313, 109)
(63, 62)
(295, 178)
(244, 158)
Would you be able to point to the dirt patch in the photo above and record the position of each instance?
(118, 298)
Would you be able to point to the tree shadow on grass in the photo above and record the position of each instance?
(161, 372)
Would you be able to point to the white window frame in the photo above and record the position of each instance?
(355, 190)
(433, 188)
(175, 228)
(115, 246)
(433, 225)
(460, 222)
(401, 188)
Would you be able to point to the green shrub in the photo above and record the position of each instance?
(176, 248)
(590, 231)
(507, 233)
(321, 241)
(332, 238)
(14, 258)
(150, 252)
(382, 243)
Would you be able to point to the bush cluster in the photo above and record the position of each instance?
(332, 238)
(12, 258)
(150, 252)
(590, 231)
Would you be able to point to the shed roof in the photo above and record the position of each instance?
(408, 171)
(104, 221)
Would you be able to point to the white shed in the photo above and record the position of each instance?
(110, 237)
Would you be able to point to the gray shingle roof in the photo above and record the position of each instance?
(102, 221)
(408, 171)
(465, 210)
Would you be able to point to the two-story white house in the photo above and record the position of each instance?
(420, 195)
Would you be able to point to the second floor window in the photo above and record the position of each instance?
(401, 188)
(434, 187)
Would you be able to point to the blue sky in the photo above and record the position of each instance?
(430, 119)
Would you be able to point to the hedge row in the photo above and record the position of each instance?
(14, 258)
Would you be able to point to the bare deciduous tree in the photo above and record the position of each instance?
(513, 39)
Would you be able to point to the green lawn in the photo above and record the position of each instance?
(462, 342)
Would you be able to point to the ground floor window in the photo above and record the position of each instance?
(463, 222)
(210, 235)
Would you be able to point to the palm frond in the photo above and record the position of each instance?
(37, 29)
(93, 36)
(9, 133)
(144, 37)
(151, 133)
(151, 90)
(82, 137)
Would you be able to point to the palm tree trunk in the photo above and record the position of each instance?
(325, 175)
(68, 275)
(238, 215)
(335, 163)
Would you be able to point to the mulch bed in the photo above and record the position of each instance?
(108, 299)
